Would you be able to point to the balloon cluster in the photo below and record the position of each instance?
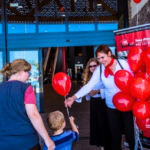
(61, 83)
(135, 90)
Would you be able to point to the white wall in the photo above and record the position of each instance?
(134, 7)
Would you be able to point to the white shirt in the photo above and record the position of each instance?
(98, 86)
(110, 88)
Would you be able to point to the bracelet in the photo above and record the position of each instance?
(74, 97)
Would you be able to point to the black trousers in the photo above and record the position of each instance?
(115, 117)
(36, 147)
(99, 128)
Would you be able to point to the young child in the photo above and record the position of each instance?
(63, 139)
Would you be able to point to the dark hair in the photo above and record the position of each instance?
(15, 66)
(104, 49)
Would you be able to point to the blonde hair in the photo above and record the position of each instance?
(87, 73)
(55, 120)
(15, 66)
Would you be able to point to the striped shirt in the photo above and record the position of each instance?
(64, 140)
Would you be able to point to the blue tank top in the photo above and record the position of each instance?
(16, 130)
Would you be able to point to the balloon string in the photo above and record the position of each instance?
(68, 114)
(137, 12)
(67, 108)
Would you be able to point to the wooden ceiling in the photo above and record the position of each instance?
(54, 11)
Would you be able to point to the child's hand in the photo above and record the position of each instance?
(74, 127)
(71, 119)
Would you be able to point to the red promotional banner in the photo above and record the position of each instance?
(131, 37)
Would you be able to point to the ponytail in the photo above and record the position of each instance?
(6, 70)
(15, 66)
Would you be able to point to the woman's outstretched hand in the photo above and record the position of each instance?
(69, 101)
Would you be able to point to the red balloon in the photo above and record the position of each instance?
(140, 75)
(141, 110)
(142, 69)
(140, 88)
(123, 101)
(147, 58)
(143, 124)
(148, 100)
(141, 72)
(123, 79)
(137, 1)
(61, 83)
(147, 75)
(135, 58)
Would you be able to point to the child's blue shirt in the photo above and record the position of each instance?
(64, 140)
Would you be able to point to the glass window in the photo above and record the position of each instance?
(81, 27)
(21, 16)
(108, 26)
(1, 65)
(51, 16)
(0, 27)
(32, 57)
(0, 17)
(21, 28)
(81, 15)
(52, 28)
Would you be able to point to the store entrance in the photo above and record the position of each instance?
(76, 60)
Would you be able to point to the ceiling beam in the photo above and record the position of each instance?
(21, 18)
(59, 4)
(103, 18)
(43, 3)
(46, 19)
(91, 5)
(104, 5)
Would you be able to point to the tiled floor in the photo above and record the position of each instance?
(53, 101)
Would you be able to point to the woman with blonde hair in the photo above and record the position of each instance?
(99, 131)
(19, 118)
